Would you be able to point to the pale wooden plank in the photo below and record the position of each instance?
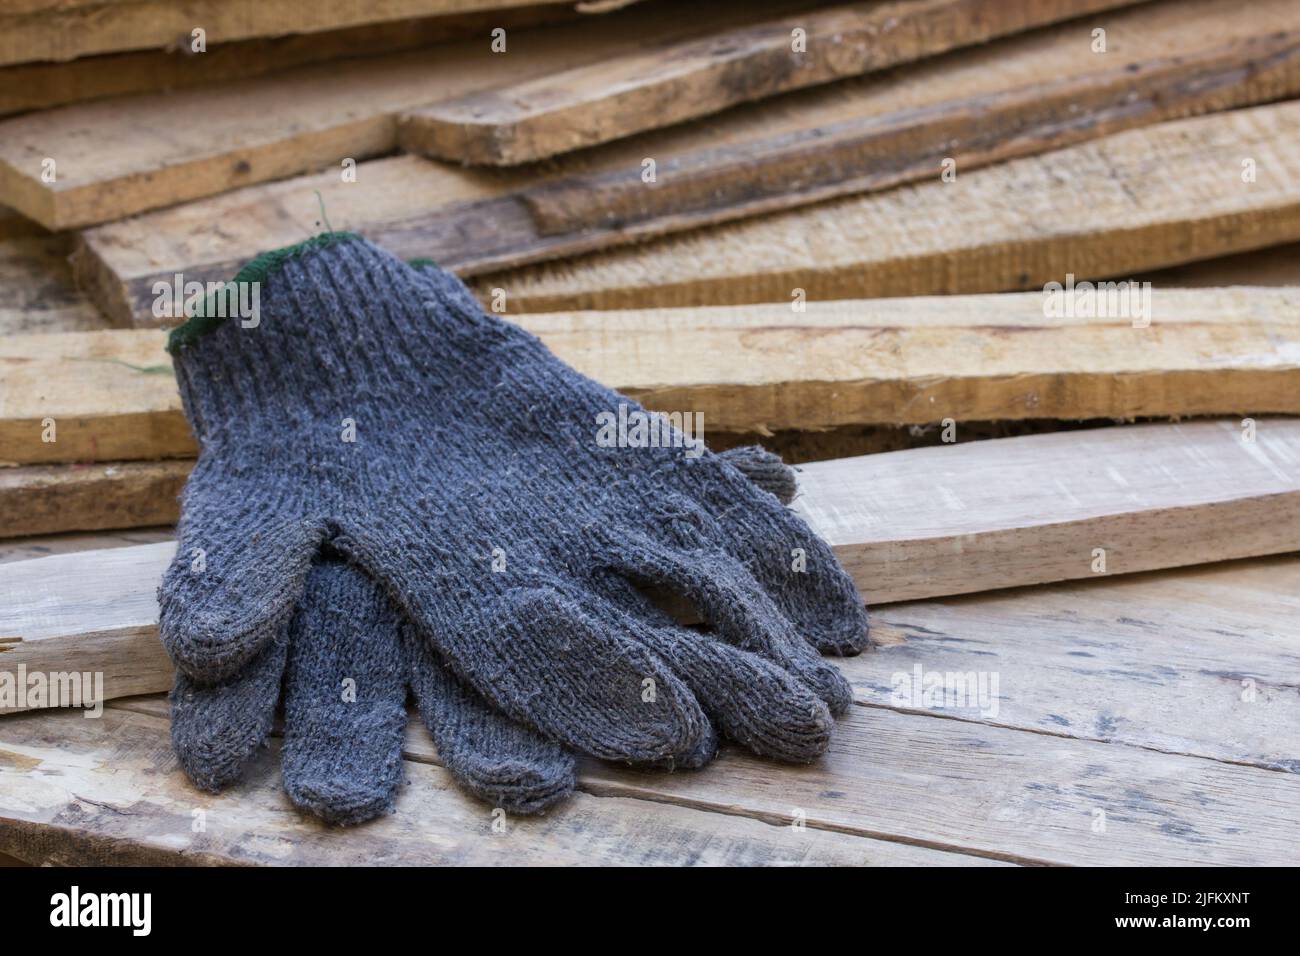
(303, 119)
(979, 105)
(1128, 203)
(98, 791)
(673, 82)
(906, 525)
(763, 368)
(1040, 508)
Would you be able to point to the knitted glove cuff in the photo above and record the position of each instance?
(302, 327)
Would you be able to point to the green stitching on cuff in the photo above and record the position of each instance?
(203, 318)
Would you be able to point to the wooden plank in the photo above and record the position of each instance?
(109, 627)
(303, 119)
(1036, 509)
(39, 292)
(47, 545)
(673, 82)
(1093, 210)
(131, 373)
(109, 790)
(46, 499)
(870, 133)
(64, 31)
(1198, 661)
(985, 791)
(1004, 793)
(874, 152)
(906, 525)
(756, 369)
(33, 86)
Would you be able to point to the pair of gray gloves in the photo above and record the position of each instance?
(397, 492)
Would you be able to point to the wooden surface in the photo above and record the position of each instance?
(954, 519)
(304, 119)
(1173, 78)
(756, 369)
(977, 105)
(1122, 735)
(673, 82)
(64, 29)
(32, 86)
(66, 377)
(921, 523)
(1128, 203)
(46, 499)
(37, 290)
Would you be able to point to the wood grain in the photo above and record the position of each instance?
(109, 791)
(977, 105)
(1198, 661)
(64, 378)
(64, 30)
(673, 82)
(757, 369)
(906, 525)
(1128, 203)
(42, 85)
(303, 119)
(906, 780)
(46, 499)
(1029, 510)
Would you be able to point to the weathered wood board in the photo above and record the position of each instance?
(304, 119)
(112, 397)
(1129, 203)
(109, 791)
(64, 29)
(45, 499)
(673, 82)
(976, 106)
(910, 781)
(42, 85)
(1198, 661)
(906, 525)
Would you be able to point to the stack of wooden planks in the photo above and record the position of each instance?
(858, 233)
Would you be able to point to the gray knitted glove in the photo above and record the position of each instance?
(346, 661)
(477, 494)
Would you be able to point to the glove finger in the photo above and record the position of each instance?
(795, 567)
(555, 662)
(344, 697)
(491, 756)
(217, 727)
(755, 703)
(763, 470)
(235, 580)
(729, 599)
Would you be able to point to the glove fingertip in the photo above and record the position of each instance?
(765, 470)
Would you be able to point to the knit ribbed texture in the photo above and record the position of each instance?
(478, 496)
